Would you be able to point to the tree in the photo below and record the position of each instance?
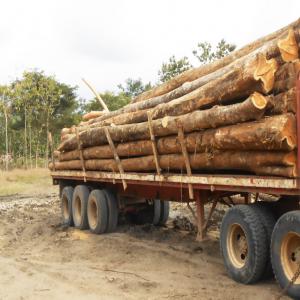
(206, 54)
(5, 107)
(173, 67)
(133, 87)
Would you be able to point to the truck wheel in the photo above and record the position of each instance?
(113, 210)
(97, 212)
(268, 220)
(79, 207)
(243, 244)
(285, 252)
(164, 212)
(66, 205)
(151, 214)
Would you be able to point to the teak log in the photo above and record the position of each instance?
(283, 102)
(251, 109)
(269, 50)
(222, 160)
(92, 115)
(192, 74)
(272, 133)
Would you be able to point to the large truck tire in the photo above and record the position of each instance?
(66, 205)
(151, 214)
(79, 207)
(285, 252)
(268, 220)
(113, 210)
(164, 212)
(97, 212)
(243, 244)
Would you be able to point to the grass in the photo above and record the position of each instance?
(20, 181)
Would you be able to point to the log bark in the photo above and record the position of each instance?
(251, 109)
(92, 115)
(282, 103)
(271, 133)
(222, 160)
(192, 74)
(240, 82)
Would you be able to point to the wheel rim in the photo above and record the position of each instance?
(237, 246)
(77, 210)
(92, 213)
(290, 255)
(65, 207)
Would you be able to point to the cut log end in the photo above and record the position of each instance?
(259, 101)
(288, 47)
(265, 72)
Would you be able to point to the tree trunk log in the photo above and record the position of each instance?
(251, 109)
(222, 160)
(273, 133)
(203, 70)
(282, 103)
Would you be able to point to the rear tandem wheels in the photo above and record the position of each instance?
(98, 209)
(253, 243)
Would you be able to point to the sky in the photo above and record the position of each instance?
(106, 42)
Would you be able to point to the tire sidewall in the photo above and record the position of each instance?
(102, 211)
(67, 193)
(81, 192)
(245, 273)
(288, 222)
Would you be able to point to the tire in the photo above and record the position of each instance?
(150, 215)
(268, 220)
(243, 244)
(66, 205)
(79, 207)
(164, 212)
(284, 245)
(113, 210)
(97, 212)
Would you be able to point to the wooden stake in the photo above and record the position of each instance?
(116, 156)
(97, 95)
(81, 154)
(186, 158)
(153, 142)
(200, 200)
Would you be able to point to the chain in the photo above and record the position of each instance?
(292, 281)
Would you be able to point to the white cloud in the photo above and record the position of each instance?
(108, 41)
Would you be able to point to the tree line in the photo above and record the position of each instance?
(36, 104)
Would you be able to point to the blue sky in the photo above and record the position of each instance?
(108, 41)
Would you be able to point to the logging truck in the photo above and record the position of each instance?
(132, 160)
(257, 238)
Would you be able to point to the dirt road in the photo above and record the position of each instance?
(40, 259)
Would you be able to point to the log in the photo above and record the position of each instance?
(271, 133)
(203, 70)
(270, 50)
(282, 103)
(92, 115)
(240, 82)
(251, 109)
(221, 160)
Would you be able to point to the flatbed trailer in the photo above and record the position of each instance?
(247, 230)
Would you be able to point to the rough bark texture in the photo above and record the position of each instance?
(192, 74)
(273, 133)
(282, 103)
(225, 160)
(251, 109)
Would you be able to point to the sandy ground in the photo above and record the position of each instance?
(41, 259)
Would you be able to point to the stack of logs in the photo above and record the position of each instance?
(235, 115)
